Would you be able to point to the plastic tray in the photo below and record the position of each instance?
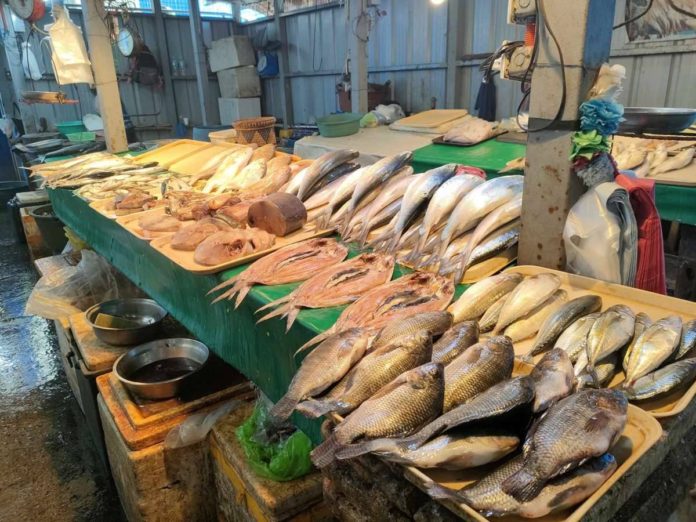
(130, 223)
(168, 154)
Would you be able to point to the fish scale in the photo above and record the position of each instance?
(526, 296)
(454, 341)
(663, 381)
(654, 346)
(480, 296)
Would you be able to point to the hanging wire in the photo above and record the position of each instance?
(680, 10)
(637, 17)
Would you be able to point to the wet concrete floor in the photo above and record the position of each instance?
(49, 470)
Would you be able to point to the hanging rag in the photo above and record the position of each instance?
(619, 203)
(650, 272)
(485, 99)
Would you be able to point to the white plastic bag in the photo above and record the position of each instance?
(68, 52)
(196, 427)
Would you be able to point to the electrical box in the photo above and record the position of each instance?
(519, 11)
(516, 65)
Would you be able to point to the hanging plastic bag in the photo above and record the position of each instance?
(281, 457)
(68, 52)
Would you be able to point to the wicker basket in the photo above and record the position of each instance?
(256, 130)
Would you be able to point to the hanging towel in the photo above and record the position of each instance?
(485, 99)
(650, 273)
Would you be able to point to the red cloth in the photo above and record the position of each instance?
(650, 273)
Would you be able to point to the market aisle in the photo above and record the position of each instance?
(50, 471)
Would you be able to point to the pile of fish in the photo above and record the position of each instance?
(425, 392)
(648, 158)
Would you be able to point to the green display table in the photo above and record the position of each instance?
(674, 203)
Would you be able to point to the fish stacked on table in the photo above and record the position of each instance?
(652, 157)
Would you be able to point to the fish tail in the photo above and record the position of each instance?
(393, 243)
(229, 294)
(316, 408)
(275, 303)
(527, 358)
(591, 370)
(325, 453)
(355, 450)
(522, 485)
(280, 311)
(292, 315)
(228, 282)
(243, 291)
(432, 259)
(362, 237)
(435, 490)
(323, 218)
(314, 341)
(459, 272)
(282, 409)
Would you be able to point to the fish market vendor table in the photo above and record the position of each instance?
(674, 203)
(372, 144)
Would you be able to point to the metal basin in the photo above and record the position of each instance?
(159, 369)
(657, 120)
(144, 311)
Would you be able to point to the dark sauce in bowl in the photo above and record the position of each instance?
(164, 370)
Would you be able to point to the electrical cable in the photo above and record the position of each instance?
(641, 15)
(680, 10)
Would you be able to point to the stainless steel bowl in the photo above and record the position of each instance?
(147, 370)
(657, 120)
(144, 311)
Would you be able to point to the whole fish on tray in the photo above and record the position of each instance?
(480, 296)
(433, 324)
(393, 301)
(488, 497)
(526, 296)
(666, 379)
(581, 426)
(290, 264)
(688, 340)
(553, 379)
(529, 325)
(227, 171)
(490, 317)
(604, 372)
(574, 338)
(327, 364)
(383, 414)
(455, 341)
(340, 196)
(336, 285)
(497, 242)
(228, 245)
(643, 320)
(612, 330)
(302, 183)
(654, 346)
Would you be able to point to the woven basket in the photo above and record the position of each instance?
(256, 130)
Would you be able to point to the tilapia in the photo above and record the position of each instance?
(455, 341)
(688, 339)
(497, 400)
(384, 414)
(529, 325)
(488, 497)
(663, 381)
(477, 204)
(604, 370)
(227, 245)
(481, 296)
(581, 426)
(301, 184)
(289, 264)
(334, 286)
(574, 337)
(324, 366)
(340, 195)
(375, 176)
(393, 301)
(378, 368)
(526, 296)
(642, 322)
(654, 346)
(610, 332)
(488, 320)
(553, 379)
(228, 170)
(455, 451)
(433, 323)
(190, 236)
(477, 369)
(559, 321)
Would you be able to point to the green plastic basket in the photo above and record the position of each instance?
(335, 125)
(80, 137)
(70, 127)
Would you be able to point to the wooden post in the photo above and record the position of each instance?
(100, 53)
(453, 32)
(283, 67)
(583, 29)
(200, 60)
(357, 42)
(161, 34)
(12, 54)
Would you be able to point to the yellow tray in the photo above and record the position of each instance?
(168, 154)
(130, 223)
(655, 305)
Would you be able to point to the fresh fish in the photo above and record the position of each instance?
(605, 371)
(334, 286)
(340, 216)
(681, 160)
(663, 381)
(688, 339)
(416, 196)
(264, 152)
(497, 242)
(477, 204)
(289, 264)
(394, 301)
(654, 346)
(580, 364)
(327, 363)
(553, 379)
(319, 169)
(480, 297)
(455, 451)
(382, 217)
(559, 321)
(495, 401)
(574, 338)
(488, 497)
(340, 195)
(228, 170)
(488, 320)
(455, 341)
(526, 296)
(529, 325)
(375, 176)
(642, 322)
(442, 203)
(499, 217)
(378, 368)
(270, 183)
(383, 415)
(610, 332)
(322, 197)
(433, 323)
(477, 369)
(581, 426)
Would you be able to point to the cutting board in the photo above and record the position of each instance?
(430, 119)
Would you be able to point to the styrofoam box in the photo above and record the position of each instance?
(233, 51)
(240, 82)
(233, 109)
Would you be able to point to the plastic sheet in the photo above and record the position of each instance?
(196, 427)
(68, 52)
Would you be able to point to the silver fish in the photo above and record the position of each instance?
(574, 337)
(529, 325)
(480, 296)
(642, 322)
(654, 346)
(488, 320)
(688, 339)
(323, 196)
(526, 296)
(553, 379)
(663, 381)
(319, 169)
(340, 195)
(605, 371)
(610, 332)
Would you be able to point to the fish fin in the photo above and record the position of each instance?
(229, 294)
(393, 243)
(323, 218)
(436, 491)
(228, 282)
(361, 448)
(243, 291)
(459, 272)
(314, 409)
(597, 422)
(593, 373)
(522, 485)
(325, 453)
(280, 311)
(292, 315)
(362, 237)
(275, 303)
(282, 409)
(314, 341)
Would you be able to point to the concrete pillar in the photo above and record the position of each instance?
(357, 43)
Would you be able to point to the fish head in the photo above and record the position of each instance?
(611, 400)
(427, 376)
(555, 360)
(500, 345)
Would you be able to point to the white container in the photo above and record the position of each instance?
(233, 109)
(240, 82)
(233, 51)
